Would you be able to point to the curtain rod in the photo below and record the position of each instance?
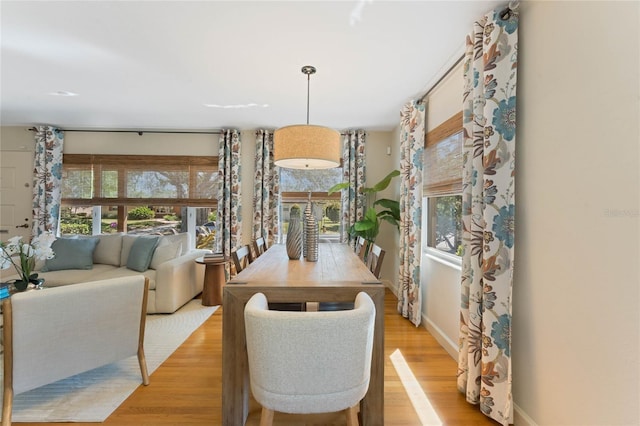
(442, 77)
(505, 14)
(345, 133)
(139, 132)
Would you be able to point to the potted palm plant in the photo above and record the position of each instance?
(383, 209)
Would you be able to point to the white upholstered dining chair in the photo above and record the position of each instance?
(55, 333)
(309, 362)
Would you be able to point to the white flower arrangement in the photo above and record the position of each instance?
(23, 256)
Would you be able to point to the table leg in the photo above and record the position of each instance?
(372, 405)
(235, 368)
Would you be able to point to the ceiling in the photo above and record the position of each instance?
(157, 64)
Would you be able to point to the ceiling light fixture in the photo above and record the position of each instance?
(237, 106)
(63, 93)
(306, 146)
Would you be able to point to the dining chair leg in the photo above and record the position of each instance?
(266, 418)
(352, 415)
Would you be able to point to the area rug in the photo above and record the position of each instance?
(94, 395)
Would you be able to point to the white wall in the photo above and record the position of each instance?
(133, 144)
(575, 298)
(441, 279)
(17, 139)
(576, 325)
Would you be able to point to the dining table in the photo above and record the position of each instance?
(338, 275)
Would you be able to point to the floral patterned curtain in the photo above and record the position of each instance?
(353, 171)
(488, 213)
(411, 148)
(266, 190)
(47, 177)
(229, 192)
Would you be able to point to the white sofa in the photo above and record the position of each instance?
(174, 276)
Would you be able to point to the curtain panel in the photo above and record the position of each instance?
(266, 190)
(488, 213)
(229, 192)
(412, 133)
(353, 171)
(47, 179)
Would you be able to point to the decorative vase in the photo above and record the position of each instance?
(20, 285)
(307, 215)
(312, 239)
(294, 238)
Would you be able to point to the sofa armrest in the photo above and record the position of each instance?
(178, 281)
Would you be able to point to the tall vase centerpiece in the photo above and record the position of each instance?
(294, 235)
(310, 243)
(306, 216)
(312, 239)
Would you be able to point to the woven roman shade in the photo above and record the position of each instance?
(443, 158)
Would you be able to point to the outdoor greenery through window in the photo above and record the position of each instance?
(445, 224)
(295, 186)
(140, 194)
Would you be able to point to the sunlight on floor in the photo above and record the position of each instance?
(421, 404)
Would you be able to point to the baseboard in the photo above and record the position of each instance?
(520, 418)
(443, 339)
(388, 284)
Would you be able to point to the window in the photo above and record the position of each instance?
(444, 223)
(139, 194)
(295, 186)
(443, 186)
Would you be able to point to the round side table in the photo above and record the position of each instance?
(214, 280)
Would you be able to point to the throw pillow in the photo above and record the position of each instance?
(71, 253)
(165, 252)
(141, 253)
(108, 250)
(183, 238)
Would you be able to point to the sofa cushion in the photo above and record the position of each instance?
(183, 238)
(99, 272)
(74, 276)
(108, 250)
(71, 253)
(141, 253)
(165, 251)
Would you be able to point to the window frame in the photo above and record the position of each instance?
(302, 197)
(449, 128)
(123, 163)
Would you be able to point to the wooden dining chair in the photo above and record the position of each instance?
(362, 248)
(259, 247)
(241, 258)
(359, 243)
(374, 259)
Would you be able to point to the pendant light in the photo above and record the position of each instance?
(305, 146)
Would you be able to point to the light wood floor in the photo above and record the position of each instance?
(186, 389)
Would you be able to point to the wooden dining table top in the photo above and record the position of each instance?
(336, 265)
